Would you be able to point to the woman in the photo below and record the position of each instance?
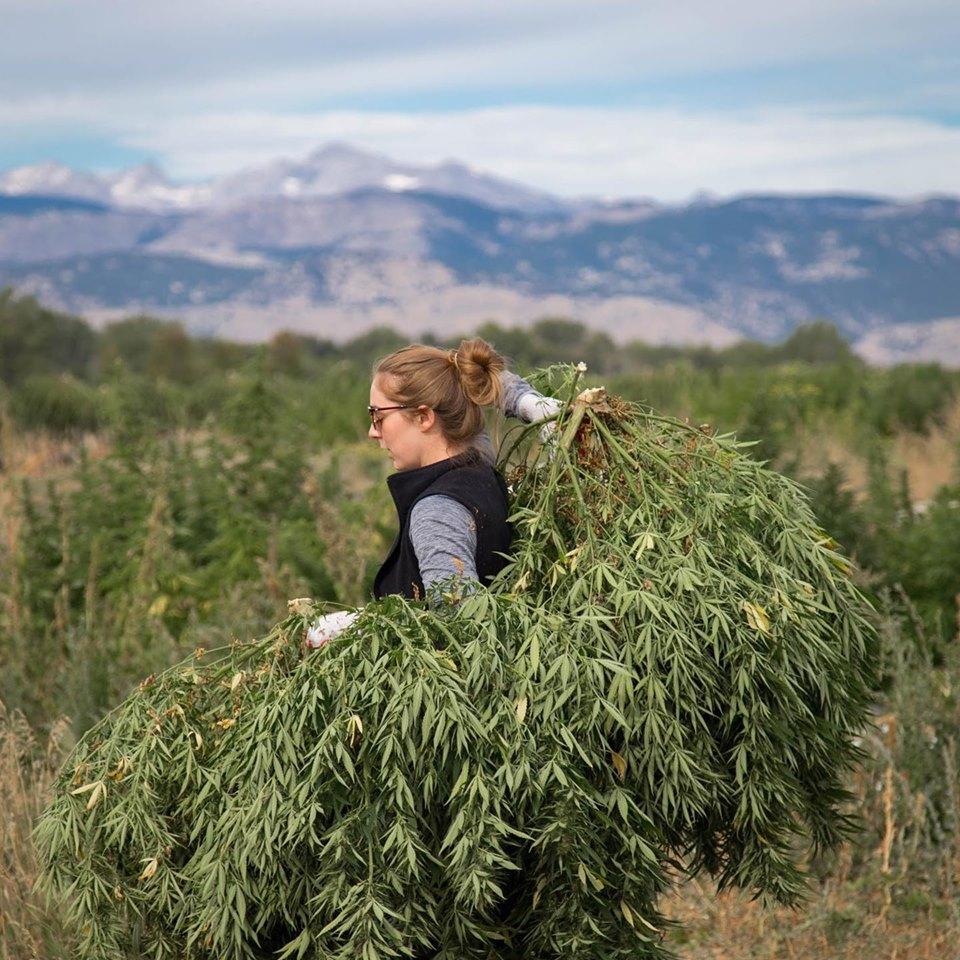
(426, 411)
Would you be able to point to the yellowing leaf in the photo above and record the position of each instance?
(582, 874)
(536, 894)
(226, 723)
(627, 912)
(448, 661)
(756, 616)
(619, 764)
(79, 771)
(521, 709)
(123, 767)
(839, 562)
(99, 792)
(86, 788)
(236, 681)
(355, 727)
(644, 542)
(150, 869)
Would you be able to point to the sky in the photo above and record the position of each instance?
(589, 98)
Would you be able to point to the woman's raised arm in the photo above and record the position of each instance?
(519, 400)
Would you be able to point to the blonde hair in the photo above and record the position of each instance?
(455, 384)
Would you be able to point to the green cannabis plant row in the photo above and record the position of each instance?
(669, 676)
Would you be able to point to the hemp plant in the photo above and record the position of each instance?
(667, 677)
(733, 656)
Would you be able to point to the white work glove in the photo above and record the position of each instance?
(533, 408)
(328, 626)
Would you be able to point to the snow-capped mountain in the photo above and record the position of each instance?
(54, 180)
(142, 187)
(146, 187)
(336, 168)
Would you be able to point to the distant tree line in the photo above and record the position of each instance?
(61, 374)
(36, 340)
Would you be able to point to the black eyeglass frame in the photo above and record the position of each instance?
(373, 411)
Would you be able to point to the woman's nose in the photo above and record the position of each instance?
(373, 433)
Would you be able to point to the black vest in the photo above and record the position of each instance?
(472, 483)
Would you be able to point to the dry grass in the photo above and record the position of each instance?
(847, 920)
(42, 455)
(29, 930)
(930, 459)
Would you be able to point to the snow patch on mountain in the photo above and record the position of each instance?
(401, 181)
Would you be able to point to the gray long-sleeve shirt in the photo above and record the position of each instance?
(442, 531)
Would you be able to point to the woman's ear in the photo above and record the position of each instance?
(427, 418)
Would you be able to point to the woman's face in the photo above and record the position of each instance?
(399, 433)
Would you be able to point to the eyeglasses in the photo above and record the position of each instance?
(375, 412)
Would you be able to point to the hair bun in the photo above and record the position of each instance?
(480, 367)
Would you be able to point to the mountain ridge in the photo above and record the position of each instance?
(348, 249)
(333, 168)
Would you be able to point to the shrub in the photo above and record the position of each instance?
(911, 397)
(60, 404)
(34, 340)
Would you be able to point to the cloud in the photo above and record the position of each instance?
(627, 150)
(592, 151)
(206, 88)
(274, 54)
